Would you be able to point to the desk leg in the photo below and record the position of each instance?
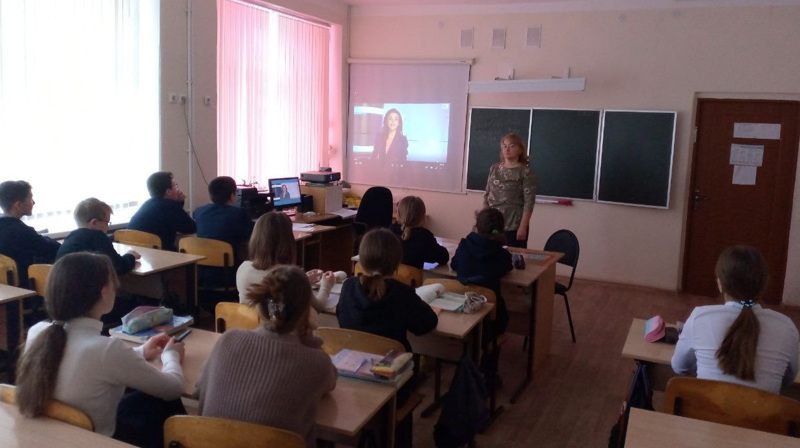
(531, 344)
(437, 390)
(191, 288)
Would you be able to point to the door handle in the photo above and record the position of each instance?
(698, 198)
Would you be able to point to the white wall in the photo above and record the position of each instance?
(634, 59)
(175, 75)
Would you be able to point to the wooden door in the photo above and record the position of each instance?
(722, 213)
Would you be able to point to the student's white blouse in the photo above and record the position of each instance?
(704, 331)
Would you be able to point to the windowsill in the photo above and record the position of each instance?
(63, 225)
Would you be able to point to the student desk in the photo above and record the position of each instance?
(539, 279)
(330, 246)
(658, 355)
(17, 431)
(9, 295)
(341, 415)
(648, 429)
(147, 277)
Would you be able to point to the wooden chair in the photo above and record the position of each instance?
(8, 268)
(732, 404)
(409, 275)
(55, 409)
(455, 286)
(190, 431)
(137, 238)
(235, 315)
(37, 277)
(336, 339)
(219, 254)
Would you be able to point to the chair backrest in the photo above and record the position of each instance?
(8, 271)
(190, 431)
(732, 404)
(375, 209)
(336, 339)
(409, 275)
(137, 238)
(455, 286)
(218, 253)
(37, 277)
(566, 242)
(55, 409)
(235, 315)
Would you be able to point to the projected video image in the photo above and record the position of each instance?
(396, 133)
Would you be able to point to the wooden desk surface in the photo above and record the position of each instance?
(155, 260)
(11, 293)
(344, 411)
(648, 429)
(460, 325)
(656, 352)
(17, 431)
(517, 277)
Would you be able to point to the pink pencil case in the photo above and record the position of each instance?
(654, 329)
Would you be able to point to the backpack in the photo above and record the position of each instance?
(464, 409)
(639, 396)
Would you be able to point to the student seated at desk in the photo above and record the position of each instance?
(221, 220)
(276, 374)
(18, 240)
(163, 213)
(272, 243)
(68, 360)
(419, 244)
(93, 217)
(739, 342)
(480, 259)
(376, 303)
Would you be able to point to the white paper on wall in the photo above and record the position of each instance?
(765, 131)
(749, 155)
(744, 175)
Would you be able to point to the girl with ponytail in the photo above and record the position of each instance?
(419, 244)
(276, 374)
(68, 360)
(376, 303)
(739, 342)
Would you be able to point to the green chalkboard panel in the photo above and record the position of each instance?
(636, 157)
(487, 127)
(563, 149)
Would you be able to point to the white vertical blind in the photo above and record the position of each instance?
(272, 75)
(79, 102)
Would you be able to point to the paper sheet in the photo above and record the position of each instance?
(300, 227)
(749, 155)
(744, 175)
(765, 131)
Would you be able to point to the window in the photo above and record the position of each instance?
(79, 103)
(272, 79)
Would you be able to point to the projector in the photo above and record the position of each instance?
(320, 177)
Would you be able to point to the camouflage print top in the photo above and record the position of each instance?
(512, 191)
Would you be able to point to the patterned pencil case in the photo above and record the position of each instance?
(145, 317)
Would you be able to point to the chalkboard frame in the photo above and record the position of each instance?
(668, 179)
(599, 131)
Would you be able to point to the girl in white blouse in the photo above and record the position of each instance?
(68, 360)
(739, 342)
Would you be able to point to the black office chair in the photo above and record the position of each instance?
(374, 212)
(565, 242)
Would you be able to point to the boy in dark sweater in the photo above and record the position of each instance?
(163, 213)
(93, 217)
(18, 240)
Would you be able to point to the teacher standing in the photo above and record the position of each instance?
(511, 189)
(391, 144)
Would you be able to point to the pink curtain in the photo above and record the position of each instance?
(272, 79)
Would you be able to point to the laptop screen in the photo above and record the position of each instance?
(286, 191)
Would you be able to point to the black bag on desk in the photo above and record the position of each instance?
(639, 396)
(464, 408)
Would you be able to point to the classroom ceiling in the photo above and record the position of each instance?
(587, 4)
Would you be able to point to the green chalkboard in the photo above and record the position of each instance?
(636, 158)
(563, 149)
(487, 126)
